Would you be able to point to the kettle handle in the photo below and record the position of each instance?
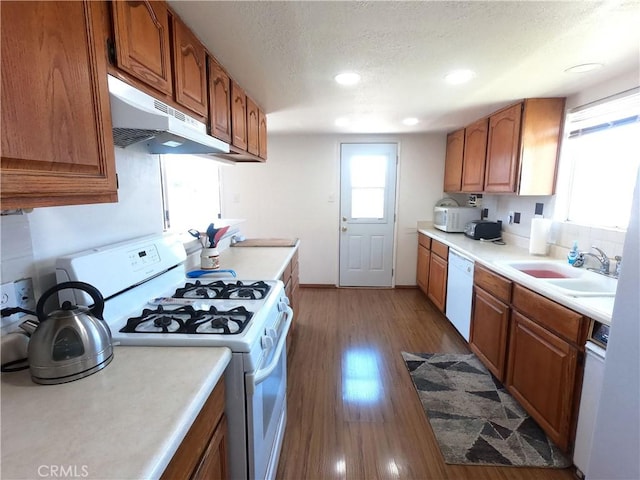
(98, 300)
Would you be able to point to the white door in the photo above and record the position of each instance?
(367, 210)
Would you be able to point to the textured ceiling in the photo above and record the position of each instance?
(285, 55)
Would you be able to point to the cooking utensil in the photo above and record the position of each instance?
(219, 234)
(196, 234)
(211, 234)
(199, 273)
(70, 343)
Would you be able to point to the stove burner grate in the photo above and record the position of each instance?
(186, 319)
(221, 290)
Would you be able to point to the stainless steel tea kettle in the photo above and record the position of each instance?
(70, 343)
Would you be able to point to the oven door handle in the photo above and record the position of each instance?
(262, 374)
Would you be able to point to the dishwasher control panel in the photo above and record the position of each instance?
(599, 333)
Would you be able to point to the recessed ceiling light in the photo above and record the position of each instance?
(456, 77)
(347, 78)
(410, 121)
(585, 67)
(342, 122)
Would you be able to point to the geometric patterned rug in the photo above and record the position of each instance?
(474, 418)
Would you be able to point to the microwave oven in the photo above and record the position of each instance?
(454, 219)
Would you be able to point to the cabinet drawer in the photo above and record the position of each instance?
(286, 275)
(566, 323)
(424, 240)
(440, 249)
(492, 283)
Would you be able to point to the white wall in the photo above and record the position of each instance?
(33, 241)
(296, 194)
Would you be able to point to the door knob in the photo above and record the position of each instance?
(344, 229)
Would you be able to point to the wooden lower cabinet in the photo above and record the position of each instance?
(214, 460)
(438, 269)
(203, 452)
(291, 280)
(541, 375)
(424, 259)
(489, 331)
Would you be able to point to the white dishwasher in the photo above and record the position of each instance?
(596, 354)
(460, 292)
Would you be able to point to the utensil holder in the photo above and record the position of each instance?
(209, 259)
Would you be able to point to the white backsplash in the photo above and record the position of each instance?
(562, 235)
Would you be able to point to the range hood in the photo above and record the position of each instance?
(138, 117)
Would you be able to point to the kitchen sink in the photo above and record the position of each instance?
(571, 281)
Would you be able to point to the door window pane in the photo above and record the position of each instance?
(368, 182)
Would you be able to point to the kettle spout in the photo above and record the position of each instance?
(29, 326)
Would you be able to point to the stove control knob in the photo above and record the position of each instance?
(282, 305)
(272, 333)
(267, 343)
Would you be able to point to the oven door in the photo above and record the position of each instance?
(267, 406)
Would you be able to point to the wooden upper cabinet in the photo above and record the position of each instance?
(522, 147)
(262, 135)
(219, 102)
(57, 144)
(143, 43)
(190, 69)
(253, 123)
(502, 150)
(453, 161)
(475, 152)
(238, 116)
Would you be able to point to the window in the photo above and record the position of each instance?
(599, 162)
(190, 192)
(368, 181)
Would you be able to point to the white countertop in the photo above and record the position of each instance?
(124, 422)
(251, 263)
(491, 255)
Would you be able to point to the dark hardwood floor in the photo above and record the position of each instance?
(352, 410)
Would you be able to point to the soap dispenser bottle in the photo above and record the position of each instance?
(573, 254)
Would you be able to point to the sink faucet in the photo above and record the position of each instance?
(601, 257)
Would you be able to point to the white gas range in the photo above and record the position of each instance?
(150, 300)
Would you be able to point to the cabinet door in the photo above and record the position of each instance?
(422, 274)
(262, 135)
(238, 116)
(541, 375)
(213, 465)
(253, 123)
(219, 102)
(57, 144)
(453, 161)
(475, 153)
(142, 42)
(190, 69)
(489, 329)
(437, 288)
(503, 150)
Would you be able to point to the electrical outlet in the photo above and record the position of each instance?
(24, 294)
(8, 300)
(510, 218)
